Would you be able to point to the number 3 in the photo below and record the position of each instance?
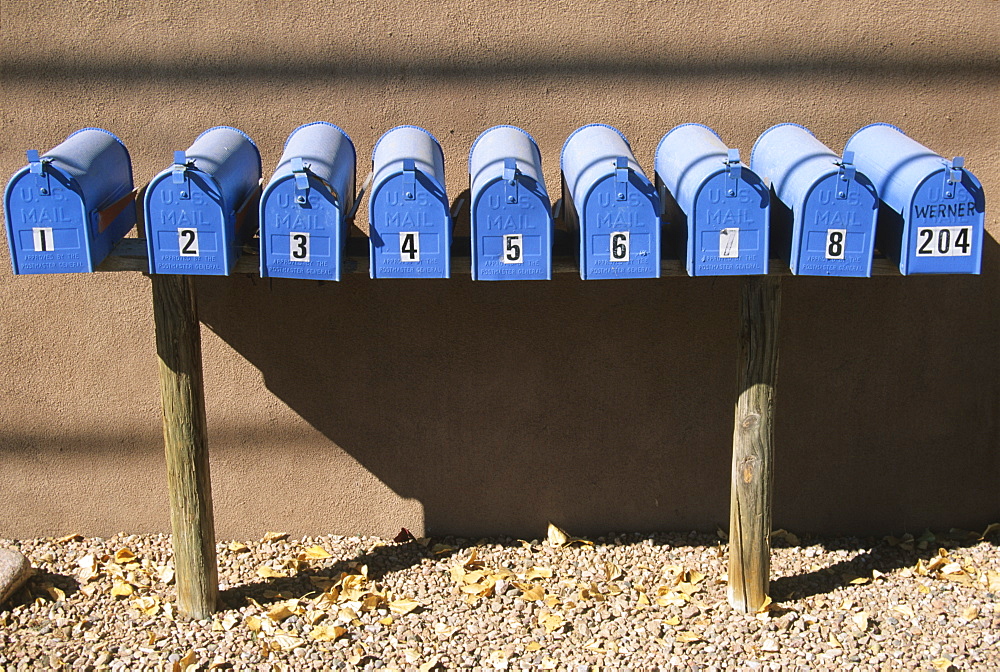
(298, 246)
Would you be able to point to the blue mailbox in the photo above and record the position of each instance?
(823, 216)
(201, 210)
(610, 204)
(511, 215)
(409, 221)
(304, 208)
(932, 214)
(716, 208)
(67, 208)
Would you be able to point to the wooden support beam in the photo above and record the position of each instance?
(178, 346)
(753, 443)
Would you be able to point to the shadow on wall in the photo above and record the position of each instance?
(608, 405)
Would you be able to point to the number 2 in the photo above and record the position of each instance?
(298, 246)
(619, 246)
(835, 239)
(409, 246)
(188, 242)
(512, 249)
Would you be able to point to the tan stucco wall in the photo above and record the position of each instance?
(449, 406)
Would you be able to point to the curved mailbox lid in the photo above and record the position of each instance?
(824, 223)
(409, 219)
(725, 204)
(597, 159)
(41, 219)
(511, 215)
(200, 210)
(303, 208)
(938, 207)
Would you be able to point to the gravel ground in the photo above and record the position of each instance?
(624, 601)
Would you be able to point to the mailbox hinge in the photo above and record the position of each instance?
(301, 180)
(36, 166)
(621, 178)
(510, 179)
(953, 175)
(733, 169)
(846, 175)
(409, 179)
(180, 176)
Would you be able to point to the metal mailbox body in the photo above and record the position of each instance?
(67, 208)
(510, 213)
(824, 212)
(304, 207)
(932, 212)
(610, 204)
(717, 210)
(201, 210)
(410, 223)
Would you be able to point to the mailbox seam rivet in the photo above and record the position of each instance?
(731, 192)
(511, 199)
(43, 191)
(841, 194)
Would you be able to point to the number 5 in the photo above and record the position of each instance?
(512, 247)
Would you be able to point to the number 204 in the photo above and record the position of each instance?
(944, 241)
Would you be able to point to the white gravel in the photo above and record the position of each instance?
(626, 602)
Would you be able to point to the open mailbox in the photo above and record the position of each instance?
(410, 224)
(510, 212)
(717, 210)
(201, 210)
(610, 204)
(933, 210)
(304, 208)
(68, 207)
(823, 215)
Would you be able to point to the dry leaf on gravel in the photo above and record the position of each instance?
(124, 556)
(550, 620)
(428, 664)
(122, 589)
(275, 536)
(79, 537)
(238, 547)
(317, 553)
(186, 664)
(687, 637)
(558, 538)
(268, 572)
(403, 606)
(327, 633)
(905, 610)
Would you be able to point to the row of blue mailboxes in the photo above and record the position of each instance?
(823, 213)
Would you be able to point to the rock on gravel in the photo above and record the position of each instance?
(14, 571)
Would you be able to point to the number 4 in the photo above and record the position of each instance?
(409, 246)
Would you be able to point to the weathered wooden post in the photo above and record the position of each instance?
(753, 443)
(178, 346)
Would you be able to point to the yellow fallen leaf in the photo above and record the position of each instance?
(923, 590)
(79, 537)
(444, 631)
(556, 537)
(287, 642)
(252, 623)
(122, 589)
(268, 572)
(990, 529)
(788, 537)
(187, 663)
(237, 547)
(229, 620)
(550, 620)
(403, 606)
(428, 664)
(531, 592)
(549, 663)
(673, 620)
(970, 613)
(687, 637)
(279, 612)
(124, 555)
(612, 572)
(861, 620)
(905, 610)
(317, 553)
(765, 605)
(441, 549)
(993, 581)
(942, 664)
(532, 646)
(56, 594)
(538, 573)
(275, 536)
(644, 600)
(386, 621)
(327, 633)
(695, 577)
(150, 606)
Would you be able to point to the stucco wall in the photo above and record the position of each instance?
(449, 406)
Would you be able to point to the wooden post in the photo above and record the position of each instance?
(753, 444)
(178, 345)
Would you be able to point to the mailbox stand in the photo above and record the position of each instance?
(753, 443)
(185, 440)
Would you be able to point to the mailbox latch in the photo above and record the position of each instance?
(180, 176)
(510, 179)
(846, 174)
(733, 169)
(409, 179)
(621, 178)
(301, 180)
(953, 175)
(36, 166)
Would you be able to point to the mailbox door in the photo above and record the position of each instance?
(620, 237)
(512, 241)
(730, 232)
(301, 240)
(47, 233)
(410, 237)
(188, 231)
(836, 236)
(945, 235)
